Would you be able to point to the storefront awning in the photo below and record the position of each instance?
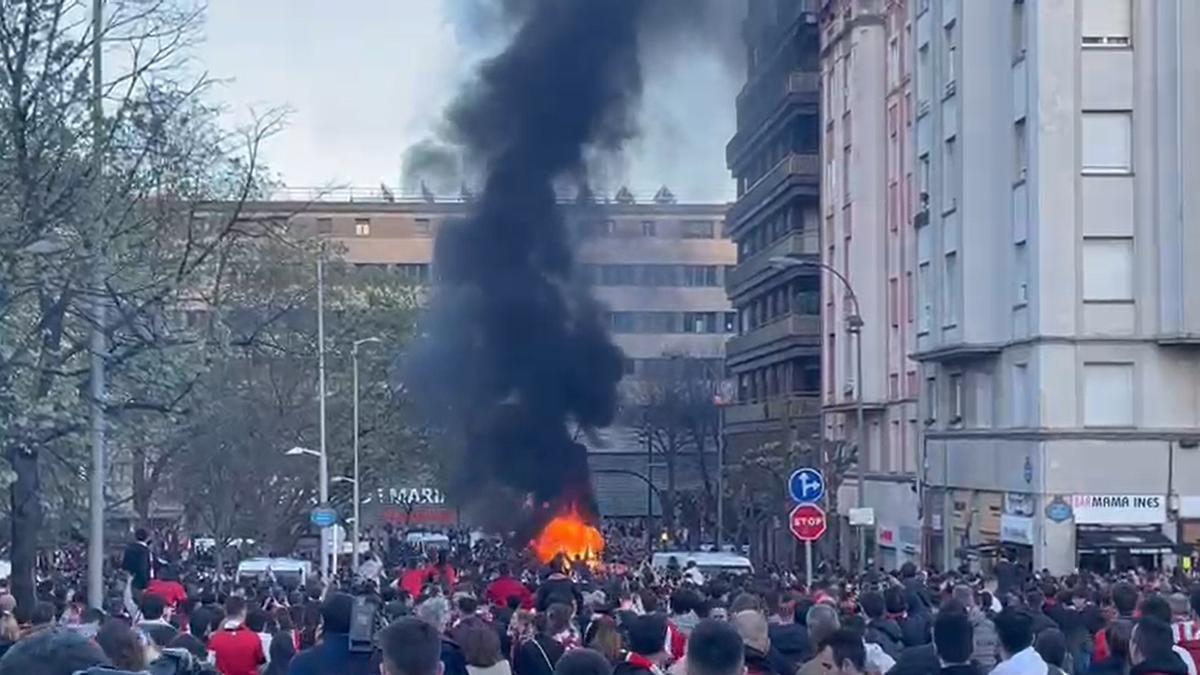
(1113, 539)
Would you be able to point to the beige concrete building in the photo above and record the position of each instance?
(1058, 309)
(659, 266)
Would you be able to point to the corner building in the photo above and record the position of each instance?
(1058, 310)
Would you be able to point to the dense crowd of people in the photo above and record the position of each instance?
(480, 608)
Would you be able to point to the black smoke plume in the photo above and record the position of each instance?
(515, 356)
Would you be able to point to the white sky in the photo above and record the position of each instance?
(366, 78)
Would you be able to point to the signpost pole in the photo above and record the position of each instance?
(808, 574)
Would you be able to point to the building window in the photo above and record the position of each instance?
(423, 225)
(846, 173)
(1106, 23)
(924, 296)
(923, 182)
(931, 399)
(1107, 142)
(951, 55)
(731, 322)
(362, 227)
(956, 399)
(1019, 40)
(324, 225)
(951, 291)
(910, 303)
(1021, 275)
(648, 229)
(1020, 152)
(697, 229)
(417, 273)
(1108, 394)
(924, 78)
(894, 302)
(950, 174)
(1020, 395)
(1108, 269)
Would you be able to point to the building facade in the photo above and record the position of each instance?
(658, 266)
(866, 203)
(1058, 319)
(774, 358)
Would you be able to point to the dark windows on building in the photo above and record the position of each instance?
(670, 322)
(652, 275)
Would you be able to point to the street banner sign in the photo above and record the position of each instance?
(807, 522)
(323, 517)
(807, 486)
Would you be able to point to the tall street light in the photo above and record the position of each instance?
(323, 487)
(324, 455)
(354, 537)
(854, 326)
(99, 346)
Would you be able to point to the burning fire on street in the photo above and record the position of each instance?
(569, 534)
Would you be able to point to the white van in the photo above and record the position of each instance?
(286, 570)
(711, 563)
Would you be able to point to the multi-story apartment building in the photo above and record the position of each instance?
(1058, 317)
(865, 207)
(775, 356)
(658, 266)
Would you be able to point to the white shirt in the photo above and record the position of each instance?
(878, 660)
(1187, 658)
(1025, 662)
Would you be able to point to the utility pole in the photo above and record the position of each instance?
(98, 342)
(328, 533)
(355, 536)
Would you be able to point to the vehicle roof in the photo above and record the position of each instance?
(706, 558)
(273, 563)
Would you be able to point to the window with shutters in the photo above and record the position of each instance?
(1106, 140)
(1106, 23)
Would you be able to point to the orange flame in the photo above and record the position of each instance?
(570, 535)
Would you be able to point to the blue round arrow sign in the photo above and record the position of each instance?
(806, 485)
(323, 517)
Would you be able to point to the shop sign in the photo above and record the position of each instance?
(1018, 503)
(1119, 509)
(1016, 529)
(1058, 510)
(887, 537)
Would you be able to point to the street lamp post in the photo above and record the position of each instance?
(854, 325)
(354, 537)
(323, 459)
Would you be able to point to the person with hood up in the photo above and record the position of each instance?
(647, 653)
(986, 646)
(880, 629)
(332, 655)
(916, 627)
(1151, 649)
(1014, 626)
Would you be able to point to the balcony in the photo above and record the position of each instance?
(757, 341)
(791, 170)
(758, 266)
(762, 99)
(776, 409)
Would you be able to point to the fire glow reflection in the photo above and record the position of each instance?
(569, 535)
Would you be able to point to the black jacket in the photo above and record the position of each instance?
(332, 656)
(887, 634)
(1113, 665)
(1041, 622)
(921, 660)
(1167, 664)
(558, 588)
(136, 561)
(916, 628)
(530, 660)
(792, 643)
(759, 663)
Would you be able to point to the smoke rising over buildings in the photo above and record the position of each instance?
(514, 349)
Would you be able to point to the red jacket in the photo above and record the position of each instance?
(500, 590)
(238, 650)
(413, 581)
(170, 591)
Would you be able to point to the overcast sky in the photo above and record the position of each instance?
(364, 79)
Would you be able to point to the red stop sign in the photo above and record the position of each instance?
(807, 522)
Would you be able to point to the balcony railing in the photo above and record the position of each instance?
(779, 329)
(760, 100)
(775, 409)
(796, 243)
(808, 166)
